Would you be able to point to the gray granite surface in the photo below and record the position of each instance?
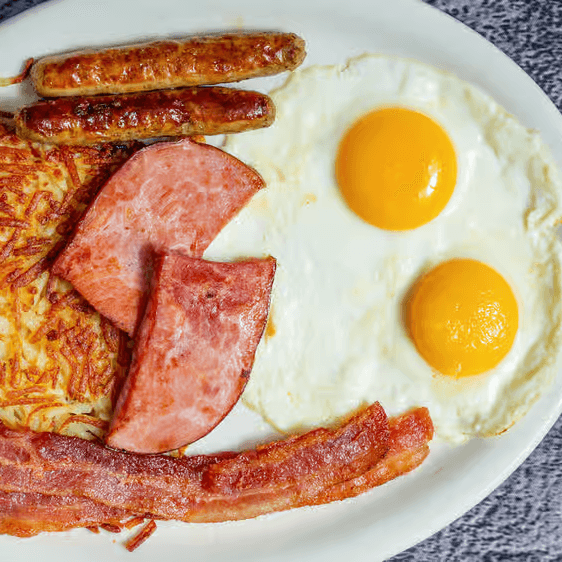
(522, 519)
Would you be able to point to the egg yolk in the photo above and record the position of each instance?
(396, 168)
(462, 317)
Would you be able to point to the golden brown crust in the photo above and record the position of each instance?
(60, 360)
(144, 115)
(212, 59)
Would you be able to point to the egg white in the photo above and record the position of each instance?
(336, 338)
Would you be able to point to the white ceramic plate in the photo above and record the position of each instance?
(391, 518)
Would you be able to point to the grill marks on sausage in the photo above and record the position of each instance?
(211, 59)
(145, 115)
(194, 350)
(174, 196)
(154, 89)
(76, 477)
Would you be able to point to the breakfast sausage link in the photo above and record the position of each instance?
(212, 59)
(144, 115)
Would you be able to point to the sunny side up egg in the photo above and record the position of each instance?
(351, 290)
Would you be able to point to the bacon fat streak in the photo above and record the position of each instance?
(79, 483)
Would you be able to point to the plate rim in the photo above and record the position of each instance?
(473, 37)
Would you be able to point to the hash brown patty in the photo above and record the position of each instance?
(61, 363)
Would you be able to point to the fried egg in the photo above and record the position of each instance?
(386, 179)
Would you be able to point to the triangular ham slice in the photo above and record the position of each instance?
(167, 197)
(194, 351)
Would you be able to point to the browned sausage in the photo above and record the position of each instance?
(143, 115)
(212, 59)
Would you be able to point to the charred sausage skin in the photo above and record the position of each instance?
(211, 59)
(143, 115)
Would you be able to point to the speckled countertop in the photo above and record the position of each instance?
(522, 519)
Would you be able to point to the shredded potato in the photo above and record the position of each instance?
(60, 361)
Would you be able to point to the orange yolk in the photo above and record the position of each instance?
(462, 317)
(396, 168)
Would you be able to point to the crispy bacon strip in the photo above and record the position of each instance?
(57, 482)
(138, 539)
(27, 514)
(134, 521)
(409, 436)
(409, 439)
(171, 488)
(319, 454)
